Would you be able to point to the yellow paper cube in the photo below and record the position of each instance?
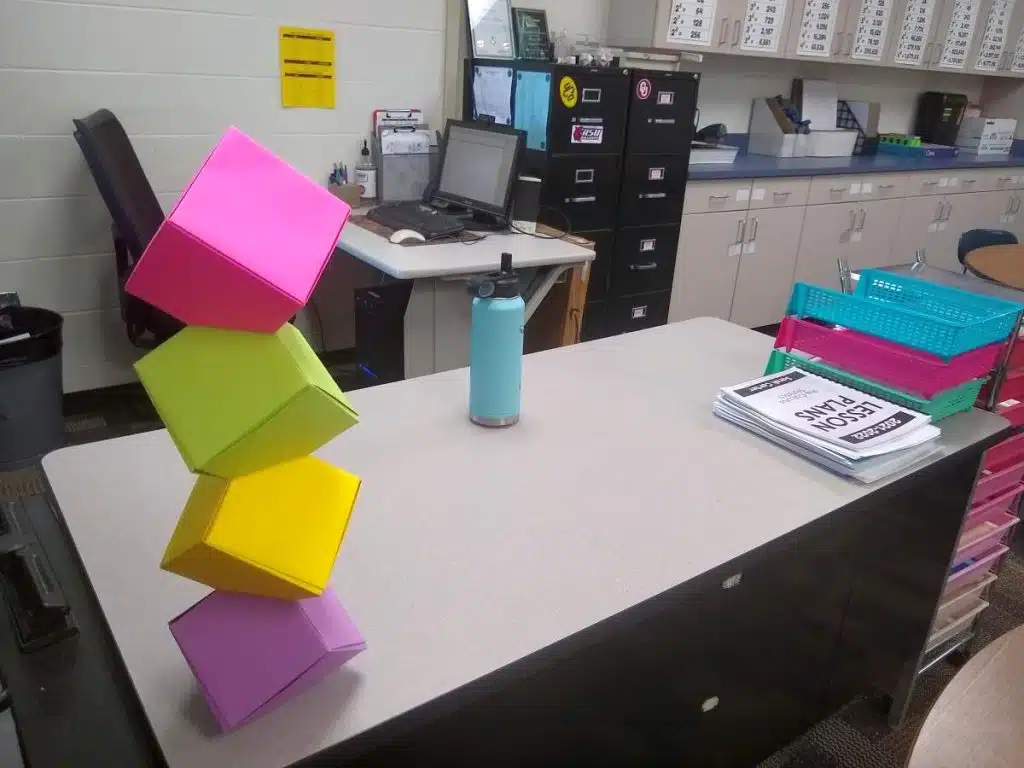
(274, 533)
(237, 402)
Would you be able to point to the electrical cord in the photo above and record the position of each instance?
(567, 230)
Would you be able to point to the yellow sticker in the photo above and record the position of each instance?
(569, 92)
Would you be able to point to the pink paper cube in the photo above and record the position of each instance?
(244, 246)
(251, 654)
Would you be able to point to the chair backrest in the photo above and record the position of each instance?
(973, 239)
(136, 213)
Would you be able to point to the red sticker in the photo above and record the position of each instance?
(643, 89)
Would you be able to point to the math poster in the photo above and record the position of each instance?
(307, 67)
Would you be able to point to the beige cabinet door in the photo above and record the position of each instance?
(1012, 62)
(918, 229)
(870, 24)
(765, 277)
(992, 38)
(765, 28)
(825, 238)
(956, 33)
(979, 210)
(706, 262)
(699, 25)
(912, 33)
(871, 241)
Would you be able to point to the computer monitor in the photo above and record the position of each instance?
(478, 165)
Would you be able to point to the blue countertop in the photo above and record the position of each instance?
(765, 166)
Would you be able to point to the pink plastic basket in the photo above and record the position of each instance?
(886, 362)
(979, 566)
(982, 532)
(992, 484)
(1012, 411)
(1006, 454)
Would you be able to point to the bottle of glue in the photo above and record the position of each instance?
(366, 175)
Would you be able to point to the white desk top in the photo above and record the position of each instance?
(627, 487)
(446, 259)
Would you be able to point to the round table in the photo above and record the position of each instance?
(999, 263)
(977, 720)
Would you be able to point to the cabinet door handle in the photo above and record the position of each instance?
(849, 44)
(1002, 60)
(643, 267)
(741, 227)
(863, 219)
(939, 47)
(853, 221)
(949, 211)
(725, 31)
(925, 60)
(736, 29)
(1016, 205)
(753, 233)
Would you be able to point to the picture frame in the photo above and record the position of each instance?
(533, 40)
(490, 29)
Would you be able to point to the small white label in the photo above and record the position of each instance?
(758, 194)
(1004, 219)
(867, 188)
(735, 250)
(587, 134)
(855, 189)
(749, 249)
(933, 227)
(943, 182)
(1015, 180)
(733, 581)
(656, 174)
(1009, 403)
(639, 313)
(856, 237)
(954, 182)
(648, 245)
(942, 226)
(666, 98)
(710, 704)
(742, 195)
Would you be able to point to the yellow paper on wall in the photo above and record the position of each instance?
(274, 533)
(307, 67)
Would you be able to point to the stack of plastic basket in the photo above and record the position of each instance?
(922, 346)
(246, 401)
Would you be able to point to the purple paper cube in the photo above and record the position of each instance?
(250, 654)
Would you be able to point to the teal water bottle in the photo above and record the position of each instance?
(496, 347)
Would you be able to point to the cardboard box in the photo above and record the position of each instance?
(274, 533)
(252, 654)
(237, 402)
(987, 136)
(244, 246)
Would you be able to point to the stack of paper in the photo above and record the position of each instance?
(842, 429)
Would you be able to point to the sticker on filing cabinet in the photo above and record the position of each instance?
(656, 174)
(639, 313)
(749, 249)
(943, 182)
(954, 182)
(585, 176)
(587, 134)
(742, 195)
(867, 188)
(856, 237)
(735, 250)
(758, 194)
(568, 92)
(855, 189)
(666, 98)
(643, 89)
(648, 245)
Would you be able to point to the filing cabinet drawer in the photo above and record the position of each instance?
(779, 193)
(594, 315)
(584, 189)
(858, 187)
(637, 313)
(661, 112)
(1007, 178)
(712, 196)
(588, 111)
(954, 181)
(645, 259)
(600, 267)
(653, 187)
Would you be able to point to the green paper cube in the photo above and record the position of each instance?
(238, 402)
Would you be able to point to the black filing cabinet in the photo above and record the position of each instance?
(613, 149)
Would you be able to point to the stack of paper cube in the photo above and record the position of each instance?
(246, 401)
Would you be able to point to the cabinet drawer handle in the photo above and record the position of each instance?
(929, 183)
(887, 186)
(733, 581)
(736, 33)
(709, 705)
(781, 194)
(643, 267)
(970, 181)
(725, 31)
(1004, 179)
(836, 190)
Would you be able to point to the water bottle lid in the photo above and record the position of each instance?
(503, 284)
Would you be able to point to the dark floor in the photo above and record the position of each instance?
(857, 737)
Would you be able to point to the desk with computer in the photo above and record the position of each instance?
(414, 320)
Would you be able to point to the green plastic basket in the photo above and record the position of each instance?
(947, 403)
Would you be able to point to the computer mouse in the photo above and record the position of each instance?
(407, 235)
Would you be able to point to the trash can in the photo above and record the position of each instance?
(31, 385)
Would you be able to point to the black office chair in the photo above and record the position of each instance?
(973, 239)
(136, 215)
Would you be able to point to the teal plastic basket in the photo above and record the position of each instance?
(933, 318)
(943, 405)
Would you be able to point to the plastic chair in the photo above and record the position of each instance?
(973, 239)
(136, 215)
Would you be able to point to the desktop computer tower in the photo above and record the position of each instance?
(380, 330)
